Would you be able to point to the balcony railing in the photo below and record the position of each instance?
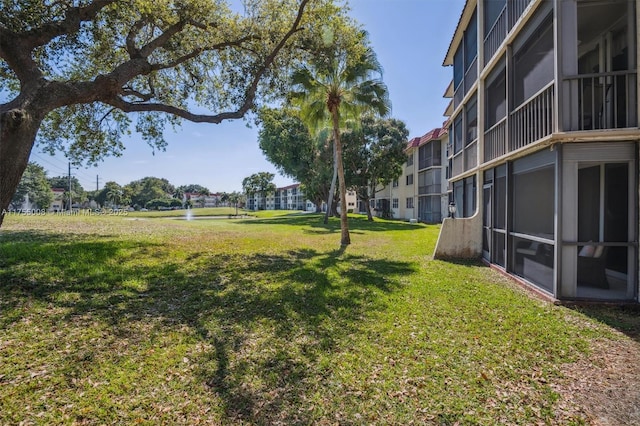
(605, 100)
(516, 8)
(458, 166)
(495, 140)
(471, 76)
(532, 120)
(471, 155)
(425, 163)
(496, 36)
(429, 189)
(458, 95)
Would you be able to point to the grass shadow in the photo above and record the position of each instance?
(265, 319)
(624, 318)
(357, 224)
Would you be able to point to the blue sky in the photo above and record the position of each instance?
(410, 37)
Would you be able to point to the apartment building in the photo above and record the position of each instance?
(420, 193)
(544, 141)
(286, 198)
(292, 197)
(202, 200)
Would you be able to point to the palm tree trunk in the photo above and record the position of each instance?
(345, 239)
(332, 188)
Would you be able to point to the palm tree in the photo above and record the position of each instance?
(332, 93)
(115, 196)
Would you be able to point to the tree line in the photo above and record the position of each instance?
(149, 192)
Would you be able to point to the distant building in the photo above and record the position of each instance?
(200, 200)
(57, 204)
(290, 197)
(420, 192)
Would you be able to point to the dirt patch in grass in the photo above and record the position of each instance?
(603, 388)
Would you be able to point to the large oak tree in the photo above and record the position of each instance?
(75, 74)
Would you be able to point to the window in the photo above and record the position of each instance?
(469, 196)
(471, 111)
(429, 182)
(492, 11)
(395, 203)
(410, 159)
(429, 209)
(458, 65)
(464, 196)
(457, 134)
(533, 207)
(410, 179)
(395, 183)
(533, 212)
(429, 155)
(471, 42)
(410, 202)
(496, 97)
(534, 63)
(465, 56)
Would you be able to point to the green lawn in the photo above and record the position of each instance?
(265, 321)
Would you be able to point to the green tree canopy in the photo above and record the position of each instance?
(35, 186)
(80, 74)
(193, 189)
(149, 188)
(259, 183)
(112, 194)
(374, 155)
(286, 142)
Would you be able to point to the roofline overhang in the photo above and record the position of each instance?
(449, 111)
(449, 92)
(465, 17)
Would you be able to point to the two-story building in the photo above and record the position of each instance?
(544, 141)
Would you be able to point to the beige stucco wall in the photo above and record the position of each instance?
(460, 238)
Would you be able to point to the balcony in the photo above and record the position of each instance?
(516, 9)
(496, 36)
(429, 189)
(471, 155)
(605, 100)
(495, 140)
(533, 120)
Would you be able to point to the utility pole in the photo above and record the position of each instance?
(69, 186)
(97, 183)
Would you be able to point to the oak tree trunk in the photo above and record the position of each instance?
(18, 129)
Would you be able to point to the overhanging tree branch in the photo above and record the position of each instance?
(179, 112)
(70, 24)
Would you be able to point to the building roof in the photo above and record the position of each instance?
(463, 21)
(295, 185)
(431, 135)
(413, 143)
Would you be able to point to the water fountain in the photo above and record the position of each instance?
(189, 214)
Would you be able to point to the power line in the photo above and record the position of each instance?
(85, 180)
